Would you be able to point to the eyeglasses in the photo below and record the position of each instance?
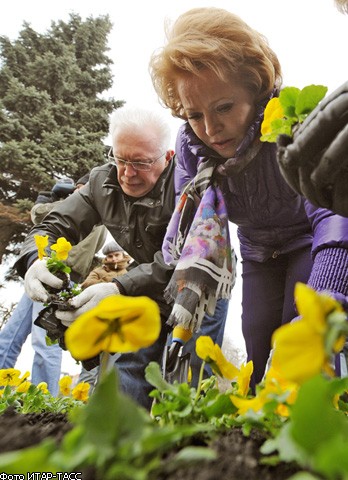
(137, 165)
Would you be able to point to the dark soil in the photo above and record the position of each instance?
(238, 456)
(19, 431)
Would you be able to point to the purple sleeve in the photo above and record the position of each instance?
(330, 271)
(186, 162)
(330, 229)
(330, 251)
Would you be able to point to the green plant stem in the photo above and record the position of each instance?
(104, 365)
(200, 379)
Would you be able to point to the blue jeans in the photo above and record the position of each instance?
(47, 359)
(131, 366)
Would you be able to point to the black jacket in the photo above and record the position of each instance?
(138, 225)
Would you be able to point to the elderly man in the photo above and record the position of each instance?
(133, 196)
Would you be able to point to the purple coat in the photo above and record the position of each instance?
(271, 217)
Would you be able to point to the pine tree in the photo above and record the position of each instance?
(53, 115)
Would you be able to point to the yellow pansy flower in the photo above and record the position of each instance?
(273, 111)
(65, 385)
(211, 353)
(245, 404)
(272, 388)
(80, 392)
(9, 376)
(117, 324)
(189, 375)
(275, 386)
(41, 243)
(23, 387)
(243, 378)
(300, 347)
(43, 387)
(25, 376)
(62, 248)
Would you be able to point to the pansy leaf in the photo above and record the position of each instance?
(308, 99)
(154, 376)
(288, 99)
(306, 430)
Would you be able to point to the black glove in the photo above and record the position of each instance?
(315, 161)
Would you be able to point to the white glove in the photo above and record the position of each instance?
(36, 276)
(86, 300)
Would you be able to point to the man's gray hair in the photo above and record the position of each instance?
(134, 118)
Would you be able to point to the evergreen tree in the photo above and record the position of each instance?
(53, 117)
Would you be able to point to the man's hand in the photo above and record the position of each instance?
(315, 162)
(35, 278)
(87, 300)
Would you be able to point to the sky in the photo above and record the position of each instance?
(310, 38)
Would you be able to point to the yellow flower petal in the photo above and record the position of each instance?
(23, 387)
(9, 376)
(211, 353)
(80, 392)
(339, 344)
(204, 347)
(273, 111)
(226, 368)
(298, 351)
(282, 410)
(25, 376)
(41, 243)
(65, 385)
(62, 248)
(118, 324)
(43, 387)
(244, 404)
(310, 307)
(243, 378)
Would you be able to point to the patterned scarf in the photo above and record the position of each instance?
(197, 242)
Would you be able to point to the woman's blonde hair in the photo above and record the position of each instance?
(218, 40)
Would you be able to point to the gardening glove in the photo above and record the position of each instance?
(315, 161)
(35, 280)
(86, 300)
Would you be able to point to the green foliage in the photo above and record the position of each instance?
(24, 205)
(35, 401)
(297, 105)
(113, 435)
(178, 403)
(316, 436)
(53, 118)
(121, 440)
